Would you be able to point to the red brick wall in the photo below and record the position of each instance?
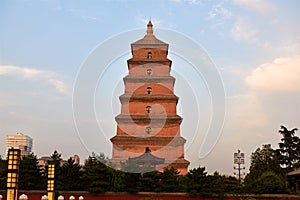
(37, 195)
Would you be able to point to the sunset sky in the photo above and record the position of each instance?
(254, 45)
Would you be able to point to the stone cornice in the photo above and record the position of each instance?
(143, 61)
(148, 98)
(148, 79)
(146, 119)
(130, 140)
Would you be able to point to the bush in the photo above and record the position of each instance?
(269, 183)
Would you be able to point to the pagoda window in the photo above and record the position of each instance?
(149, 90)
(149, 55)
(148, 109)
(148, 130)
(149, 72)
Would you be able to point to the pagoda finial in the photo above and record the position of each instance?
(149, 27)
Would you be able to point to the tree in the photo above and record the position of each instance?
(263, 160)
(269, 183)
(70, 176)
(169, 180)
(150, 181)
(289, 149)
(3, 173)
(30, 175)
(96, 176)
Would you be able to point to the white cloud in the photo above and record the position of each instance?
(51, 78)
(219, 10)
(260, 6)
(280, 75)
(244, 30)
(187, 1)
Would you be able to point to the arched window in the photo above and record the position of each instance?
(148, 130)
(148, 109)
(149, 72)
(149, 55)
(149, 90)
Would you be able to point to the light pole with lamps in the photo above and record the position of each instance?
(50, 182)
(13, 162)
(239, 159)
(44, 197)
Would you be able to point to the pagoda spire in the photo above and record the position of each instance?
(149, 28)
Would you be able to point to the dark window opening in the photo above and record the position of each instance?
(149, 90)
(149, 55)
(148, 109)
(149, 72)
(148, 130)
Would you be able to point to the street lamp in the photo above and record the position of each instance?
(23, 197)
(81, 198)
(72, 198)
(12, 173)
(239, 159)
(50, 183)
(1, 197)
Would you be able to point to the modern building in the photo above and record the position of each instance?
(19, 141)
(148, 119)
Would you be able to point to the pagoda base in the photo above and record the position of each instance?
(180, 164)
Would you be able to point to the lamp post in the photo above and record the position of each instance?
(44, 197)
(239, 159)
(72, 198)
(50, 182)
(81, 198)
(12, 173)
(1, 197)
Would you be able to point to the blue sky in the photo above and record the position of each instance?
(254, 44)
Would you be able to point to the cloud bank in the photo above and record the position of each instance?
(281, 75)
(48, 77)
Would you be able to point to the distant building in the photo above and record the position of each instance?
(44, 160)
(19, 141)
(76, 159)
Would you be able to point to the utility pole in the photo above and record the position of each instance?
(239, 159)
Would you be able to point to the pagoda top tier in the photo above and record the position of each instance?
(148, 42)
(149, 38)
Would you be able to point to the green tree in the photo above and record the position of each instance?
(263, 160)
(3, 173)
(197, 178)
(116, 180)
(150, 181)
(30, 175)
(289, 149)
(70, 176)
(169, 180)
(96, 177)
(269, 183)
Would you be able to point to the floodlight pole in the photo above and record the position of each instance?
(239, 159)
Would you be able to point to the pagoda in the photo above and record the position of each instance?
(148, 118)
